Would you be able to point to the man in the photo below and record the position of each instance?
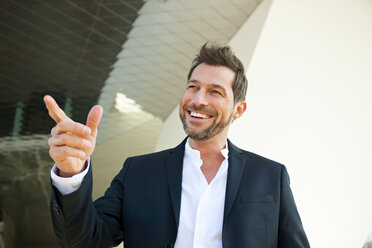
(205, 192)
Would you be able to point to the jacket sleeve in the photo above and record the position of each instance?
(80, 222)
(291, 231)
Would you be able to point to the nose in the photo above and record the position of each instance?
(200, 99)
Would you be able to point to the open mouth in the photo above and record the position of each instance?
(199, 115)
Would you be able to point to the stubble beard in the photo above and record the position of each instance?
(211, 131)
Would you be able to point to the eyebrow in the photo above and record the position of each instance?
(212, 85)
(192, 81)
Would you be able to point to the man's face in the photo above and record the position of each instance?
(207, 105)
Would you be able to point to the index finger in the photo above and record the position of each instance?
(74, 128)
(54, 110)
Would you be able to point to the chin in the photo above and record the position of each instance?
(201, 135)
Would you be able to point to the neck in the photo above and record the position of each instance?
(210, 146)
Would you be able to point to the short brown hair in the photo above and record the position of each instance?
(215, 54)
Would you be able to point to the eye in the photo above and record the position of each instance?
(190, 86)
(216, 92)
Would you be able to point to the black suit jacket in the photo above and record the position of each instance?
(142, 205)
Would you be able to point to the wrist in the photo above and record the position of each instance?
(62, 173)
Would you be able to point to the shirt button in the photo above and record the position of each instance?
(74, 186)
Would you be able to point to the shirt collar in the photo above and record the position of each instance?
(195, 154)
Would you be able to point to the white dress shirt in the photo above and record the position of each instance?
(67, 185)
(202, 204)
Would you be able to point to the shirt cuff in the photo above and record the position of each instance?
(67, 185)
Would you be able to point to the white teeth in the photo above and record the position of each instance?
(195, 114)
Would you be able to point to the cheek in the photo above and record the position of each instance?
(183, 103)
(185, 99)
(227, 110)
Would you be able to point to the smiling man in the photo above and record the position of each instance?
(209, 101)
(204, 193)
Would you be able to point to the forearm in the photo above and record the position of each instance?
(79, 223)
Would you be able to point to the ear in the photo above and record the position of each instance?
(240, 108)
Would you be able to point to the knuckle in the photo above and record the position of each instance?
(50, 141)
(61, 125)
(63, 151)
(81, 154)
(51, 152)
(79, 127)
(56, 151)
(57, 129)
(63, 138)
(79, 143)
(76, 125)
(64, 124)
(83, 143)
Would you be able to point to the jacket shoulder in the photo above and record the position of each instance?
(160, 155)
(255, 159)
(151, 156)
(261, 159)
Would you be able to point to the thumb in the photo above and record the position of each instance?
(94, 117)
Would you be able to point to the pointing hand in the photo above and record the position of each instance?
(71, 143)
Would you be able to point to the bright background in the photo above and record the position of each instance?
(310, 107)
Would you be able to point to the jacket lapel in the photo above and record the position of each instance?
(174, 165)
(234, 175)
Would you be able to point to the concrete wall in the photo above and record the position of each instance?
(309, 107)
(172, 131)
